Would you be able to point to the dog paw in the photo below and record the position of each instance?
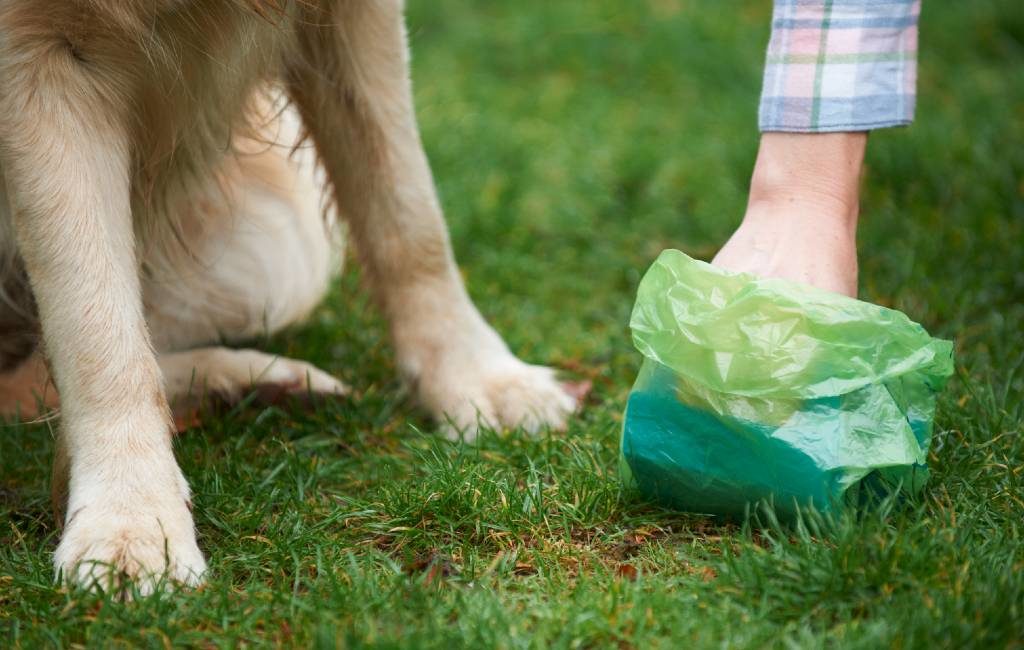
(229, 376)
(500, 393)
(238, 371)
(110, 549)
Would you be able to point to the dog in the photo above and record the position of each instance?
(163, 165)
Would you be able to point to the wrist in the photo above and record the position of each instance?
(804, 173)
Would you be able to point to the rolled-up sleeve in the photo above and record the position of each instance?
(840, 65)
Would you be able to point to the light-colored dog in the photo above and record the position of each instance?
(156, 199)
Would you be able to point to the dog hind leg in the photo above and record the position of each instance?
(259, 258)
(26, 391)
(256, 247)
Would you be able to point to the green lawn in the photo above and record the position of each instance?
(573, 141)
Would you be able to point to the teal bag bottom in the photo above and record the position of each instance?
(693, 460)
(763, 390)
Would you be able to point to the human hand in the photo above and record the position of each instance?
(801, 218)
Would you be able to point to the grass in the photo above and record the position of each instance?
(572, 141)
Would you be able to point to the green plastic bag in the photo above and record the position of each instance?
(757, 389)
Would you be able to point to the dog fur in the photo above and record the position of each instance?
(159, 196)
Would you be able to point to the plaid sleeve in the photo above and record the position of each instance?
(840, 65)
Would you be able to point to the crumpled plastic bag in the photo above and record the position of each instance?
(759, 389)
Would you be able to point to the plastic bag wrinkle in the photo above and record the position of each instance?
(756, 388)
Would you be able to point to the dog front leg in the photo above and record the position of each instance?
(65, 156)
(352, 86)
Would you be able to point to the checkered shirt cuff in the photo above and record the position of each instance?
(840, 65)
